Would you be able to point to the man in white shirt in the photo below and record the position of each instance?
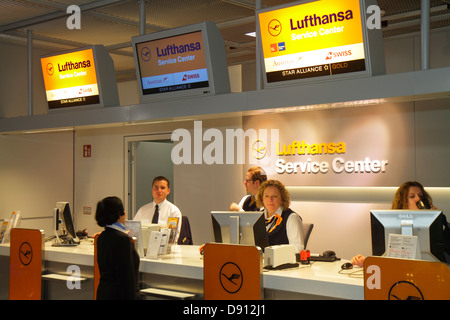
(160, 210)
(253, 179)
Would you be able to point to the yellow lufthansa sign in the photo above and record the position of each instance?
(312, 39)
(70, 79)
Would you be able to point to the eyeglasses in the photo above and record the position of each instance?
(245, 181)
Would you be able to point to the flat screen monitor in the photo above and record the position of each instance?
(427, 225)
(181, 62)
(82, 78)
(235, 227)
(314, 40)
(64, 227)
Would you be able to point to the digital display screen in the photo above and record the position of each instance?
(313, 39)
(172, 64)
(70, 79)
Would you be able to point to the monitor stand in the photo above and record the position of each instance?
(234, 229)
(64, 242)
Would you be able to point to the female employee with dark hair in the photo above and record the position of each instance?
(407, 197)
(118, 261)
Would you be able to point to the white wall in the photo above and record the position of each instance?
(99, 176)
(36, 171)
(200, 189)
(14, 81)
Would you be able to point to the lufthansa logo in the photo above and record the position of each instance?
(146, 54)
(274, 27)
(231, 277)
(405, 290)
(25, 253)
(50, 69)
(259, 149)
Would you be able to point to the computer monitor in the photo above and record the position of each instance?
(81, 78)
(427, 225)
(235, 227)
(64, 228)
(305, 41)
(181, 62)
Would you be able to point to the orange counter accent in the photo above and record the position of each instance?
(26, 251)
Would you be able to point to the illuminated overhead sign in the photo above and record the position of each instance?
(315, 39)
(172, 64)
(181, 62)
(79, 78)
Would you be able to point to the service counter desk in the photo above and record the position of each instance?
(182, 270)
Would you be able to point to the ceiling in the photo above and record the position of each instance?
(112, 23)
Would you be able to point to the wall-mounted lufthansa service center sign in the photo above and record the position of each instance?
(319, 38)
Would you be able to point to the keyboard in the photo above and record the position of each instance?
(325, 258)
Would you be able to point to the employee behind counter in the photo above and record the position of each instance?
(408, 195)
(253, 179)
(160, 209)
(283, 225)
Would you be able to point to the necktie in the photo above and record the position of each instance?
(273, 222)
(155, 215)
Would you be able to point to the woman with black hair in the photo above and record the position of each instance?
(117, 258)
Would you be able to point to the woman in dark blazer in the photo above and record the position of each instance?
(118, 261)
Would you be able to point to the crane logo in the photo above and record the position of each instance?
(231, 277)
(25, 253)
(274, 27)
(259, 149)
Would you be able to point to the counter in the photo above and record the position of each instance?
(182, 270)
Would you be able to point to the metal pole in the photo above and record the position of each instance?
(258, 6)
(425, 33)
(30, 71)
(142, 22)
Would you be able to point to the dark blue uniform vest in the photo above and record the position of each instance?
(248, 206)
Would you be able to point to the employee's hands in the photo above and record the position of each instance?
(358, 260)
(234, 207)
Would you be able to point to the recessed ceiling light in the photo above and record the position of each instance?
(251, 34)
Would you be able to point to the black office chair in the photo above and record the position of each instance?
(307, 229)
(185, 237)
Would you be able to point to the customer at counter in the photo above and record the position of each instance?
(253, 179)
(118, 261)
(160, 209)
(407, 197)
(283, 225)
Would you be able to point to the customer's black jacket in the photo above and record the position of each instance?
(118, 264)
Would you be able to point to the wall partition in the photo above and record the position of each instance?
(36, 171)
